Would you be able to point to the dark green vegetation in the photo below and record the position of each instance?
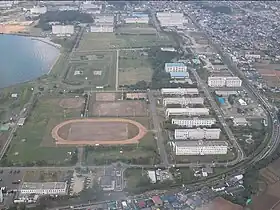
(65, 17)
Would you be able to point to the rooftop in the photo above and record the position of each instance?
(179, 74)
(200, 143)
(174, 64)
(43, 185)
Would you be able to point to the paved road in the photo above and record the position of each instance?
(157, 127)
(219, 113)
(117, 70)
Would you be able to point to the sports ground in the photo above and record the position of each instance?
(102, 131)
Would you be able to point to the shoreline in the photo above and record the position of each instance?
(48, 71)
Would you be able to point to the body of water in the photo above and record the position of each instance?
(23, 59)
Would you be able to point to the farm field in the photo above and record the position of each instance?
(93, 69)
(136, 29)
(33, 143)
(134, 66)
(103, 41)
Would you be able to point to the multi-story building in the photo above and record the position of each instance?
(186, 111)
(194, 122)
(179, 91)
(200, 147)
(44, 188)
(102, 29)
(179, 75)
(224, 81)
(225, 92)
(137, 18)
(183, 101)
(175, 67)
(212, 133)
(171, 19)
(38, 10)
(103, 19)
(63, 30)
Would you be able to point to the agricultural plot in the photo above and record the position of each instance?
(134, 66)
(33, 143)
(103, 41)
(136, 29)
(94, 69)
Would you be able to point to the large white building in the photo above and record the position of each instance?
(44, 188)
(200, 147)
(224, 81)
(186, 111)
(102, 19)
(175, 67)
(199, 133)
(179, 91)
(63, 30)
(137, 18)
(38, 10)
(183, 101)
(194, 122)
(102, 29)
(171, 19)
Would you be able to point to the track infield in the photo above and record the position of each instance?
(115, 131)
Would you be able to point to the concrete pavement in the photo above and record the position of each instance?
(157, 127)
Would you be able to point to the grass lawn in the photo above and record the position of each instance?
(88, 65)
(132, 177)
(26, 147)
(143, 153)
(134, 67)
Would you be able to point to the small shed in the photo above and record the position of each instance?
(21, 121)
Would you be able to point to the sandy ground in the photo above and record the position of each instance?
(7, 29)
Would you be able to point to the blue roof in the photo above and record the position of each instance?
(174, 64)
(179, 74)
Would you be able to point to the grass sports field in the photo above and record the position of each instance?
(33, 141)
(97, 68)
(134, 66)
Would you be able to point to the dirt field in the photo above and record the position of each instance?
(9, 28)
(106, 131)
(71, 103)
(120, 108)
(105, 97)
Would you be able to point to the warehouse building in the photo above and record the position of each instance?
(171, 19)
(194, 122)
(175, 67)
(44, 188)
(186, 111)
(183, 101)
(63, 30)
(102, 29)
(199, 133)
(224, 81)
(200, 147)
(179, 91)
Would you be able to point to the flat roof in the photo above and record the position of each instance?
(194, 118)
(200, 143)
(179, 74)
(173, 64)
(43, 185)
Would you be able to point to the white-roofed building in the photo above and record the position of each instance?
(102, 19)
(194, 122)
(137, 20)
(186, 111)
(102, 29)
(175, 67)
(224, 81)
(183, 101)
(63, 30)
(152, 176)
(200, 147)
(44, 188)
(38, 10)
(171, 19)
(179, 91)
(212, 133)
